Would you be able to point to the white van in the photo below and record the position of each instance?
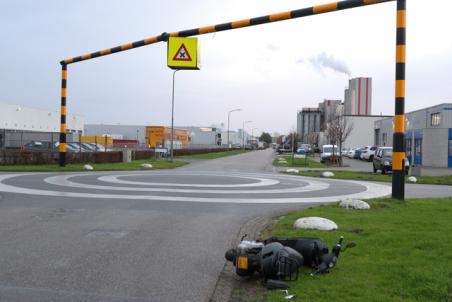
(327, 152)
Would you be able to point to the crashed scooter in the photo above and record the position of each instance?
(278, 259)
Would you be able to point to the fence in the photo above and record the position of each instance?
(19, 157)
(10, 139)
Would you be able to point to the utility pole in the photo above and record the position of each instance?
(229, 115)
(243, 132)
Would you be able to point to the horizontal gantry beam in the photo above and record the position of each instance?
(299, 13)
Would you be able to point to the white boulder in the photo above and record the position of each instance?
(412, 179)
(146, 166)
(88, 168)
(315, 223)
(292, 171)
(354, 204)
(327, 174)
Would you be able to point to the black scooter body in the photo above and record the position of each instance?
(310, 248)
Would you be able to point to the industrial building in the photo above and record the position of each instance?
(120, 132)
(204, 137)
(20, 125)
(235, 138)
(356, 108)
(308, 124)
(330, 109)
(156, 136)
(312, 121)
(362, 133)
(431, 131)
(358, 97)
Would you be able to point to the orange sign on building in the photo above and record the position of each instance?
(159, 136)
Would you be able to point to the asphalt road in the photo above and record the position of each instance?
(141, 236)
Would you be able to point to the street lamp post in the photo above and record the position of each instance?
(172, 115)
(243, 132)
(252, 132)
(252, 137)
(229, 115)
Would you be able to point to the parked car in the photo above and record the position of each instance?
(344, 151)
(351, 153)
(364, 151)
(37, 146)
(383, 161)
(99, 147)
(357, 154)
(69, 147)
(301, 153)
(327, 153)
(306, 147)
(284, 149)
(370, 153)
(77, 146)
(91, 146)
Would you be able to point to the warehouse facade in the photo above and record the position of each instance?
(428, 135)
(20, 125)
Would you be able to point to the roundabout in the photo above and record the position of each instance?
(191, 186)
(96, 235)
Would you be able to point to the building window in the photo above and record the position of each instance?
(435, 119)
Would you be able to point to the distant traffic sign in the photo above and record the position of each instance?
(183, 53)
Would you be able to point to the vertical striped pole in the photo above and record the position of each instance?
(62, 147)
(398, 155)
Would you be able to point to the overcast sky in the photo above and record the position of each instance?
(269, 71)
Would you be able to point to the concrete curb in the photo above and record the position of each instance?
(228, 280)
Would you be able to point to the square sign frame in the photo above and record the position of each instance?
(183, 53)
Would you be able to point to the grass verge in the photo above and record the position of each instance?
(214, 155)
(403, 253)
(297, 162)
(134, 165)
(432, 180)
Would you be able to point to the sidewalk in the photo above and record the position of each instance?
(356, 165)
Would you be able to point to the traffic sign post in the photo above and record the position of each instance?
(182, 54)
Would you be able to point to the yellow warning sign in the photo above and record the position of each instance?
(183, 53)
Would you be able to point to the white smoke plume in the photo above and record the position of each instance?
(323, 61)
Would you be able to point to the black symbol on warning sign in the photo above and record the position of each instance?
(182, 54)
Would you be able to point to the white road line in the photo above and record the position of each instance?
(63, 180)
(261, 182)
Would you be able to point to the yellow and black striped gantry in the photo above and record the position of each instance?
(299, 13)
(398, 155)
(63, 112)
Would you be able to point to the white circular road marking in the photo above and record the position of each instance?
(261, 182)
(64, 181)
(371, 190)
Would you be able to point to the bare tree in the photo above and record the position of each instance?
(293, 140)
(339, 128)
